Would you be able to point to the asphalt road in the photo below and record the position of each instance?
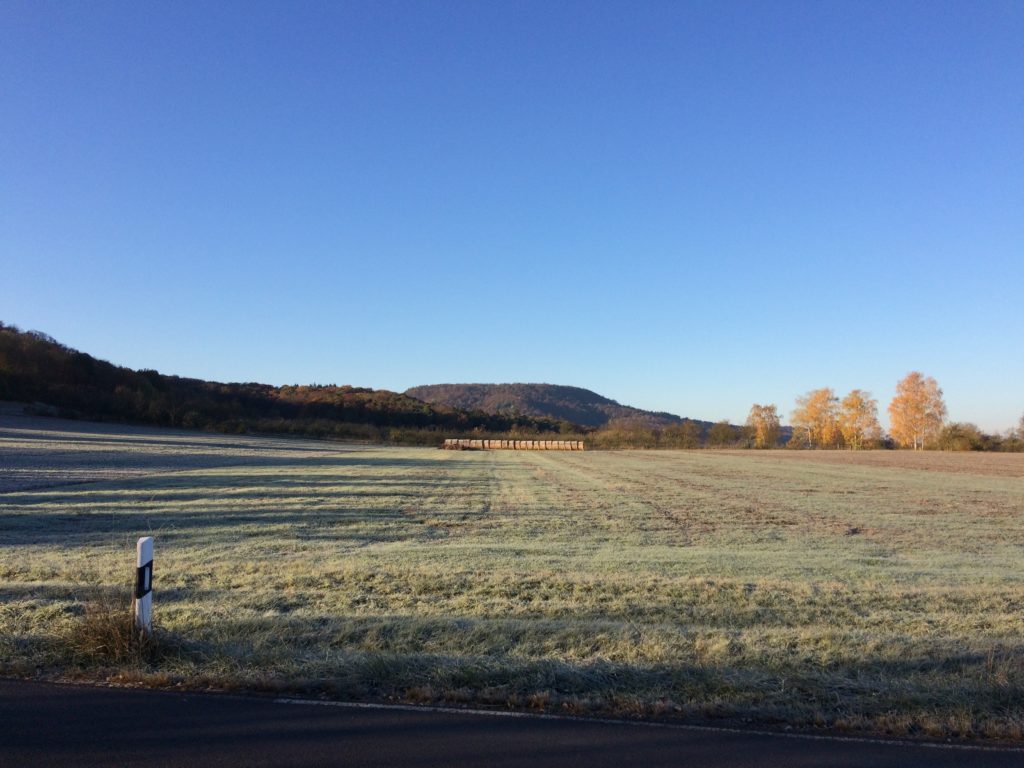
(65, 725)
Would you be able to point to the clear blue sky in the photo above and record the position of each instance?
(686, 206)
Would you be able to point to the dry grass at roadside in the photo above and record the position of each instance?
(863, 593)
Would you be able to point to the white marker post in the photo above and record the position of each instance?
(144, 585)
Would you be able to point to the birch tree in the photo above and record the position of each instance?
(858, 419)
(816, 418)
(764, 425)
(917, 412)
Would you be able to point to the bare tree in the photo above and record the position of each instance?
(722, 434)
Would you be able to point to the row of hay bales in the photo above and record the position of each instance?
(454, 444)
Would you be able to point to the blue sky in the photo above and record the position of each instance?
(687, 206)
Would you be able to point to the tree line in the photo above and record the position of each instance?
(917, 418)
(36, 369)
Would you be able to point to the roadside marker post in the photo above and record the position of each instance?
(144, 585)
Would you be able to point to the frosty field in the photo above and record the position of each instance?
(875, 591)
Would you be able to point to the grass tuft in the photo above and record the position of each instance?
(106, 634)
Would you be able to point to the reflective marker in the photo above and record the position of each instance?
(144, 584)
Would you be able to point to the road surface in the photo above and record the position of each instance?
(69, 725)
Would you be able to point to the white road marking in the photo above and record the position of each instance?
(644, 724)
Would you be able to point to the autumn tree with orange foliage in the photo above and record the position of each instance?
(858, 419)
(917, 413)
(763, 422)
(816, 418)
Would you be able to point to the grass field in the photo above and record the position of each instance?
(876, 591)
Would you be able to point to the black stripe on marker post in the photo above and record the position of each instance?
(144, 580)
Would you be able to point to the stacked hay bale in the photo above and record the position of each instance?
(460, 444)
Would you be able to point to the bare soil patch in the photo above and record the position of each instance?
(964, 462)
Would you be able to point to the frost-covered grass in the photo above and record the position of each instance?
(880, 591)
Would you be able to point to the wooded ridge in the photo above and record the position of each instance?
(36, 369)
(573, 404)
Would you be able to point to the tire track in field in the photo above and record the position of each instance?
(621, 498)
(449, 500)
(517, 496)
(691, 498)
(707, 499)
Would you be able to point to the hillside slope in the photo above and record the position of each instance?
(573, 404)
(35, 368)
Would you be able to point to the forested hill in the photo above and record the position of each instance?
(572, 404)
(36, 369)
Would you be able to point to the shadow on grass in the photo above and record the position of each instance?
(129, 437)
(951, 695)
(527, 664)
(140, 468)
(307, 496)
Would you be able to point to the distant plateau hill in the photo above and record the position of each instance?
(552, 401)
